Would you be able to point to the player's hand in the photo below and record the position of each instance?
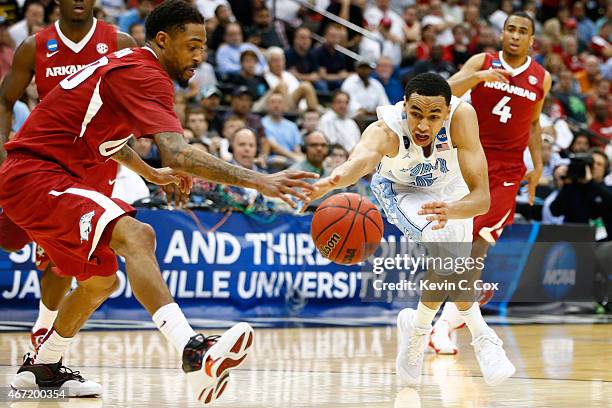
(323, 186)
(493, 75)
(533, 179)
(175, 196)
(435, 211)
(283, 184)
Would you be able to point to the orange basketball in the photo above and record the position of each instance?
(343, 225)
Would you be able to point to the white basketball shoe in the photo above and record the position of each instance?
(207, 360)
(494, 364)
(412, 342)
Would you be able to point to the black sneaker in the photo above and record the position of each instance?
(55, 376)
(207, 360)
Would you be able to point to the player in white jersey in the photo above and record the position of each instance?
(431, 181)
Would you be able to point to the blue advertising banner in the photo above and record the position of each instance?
(237, 266)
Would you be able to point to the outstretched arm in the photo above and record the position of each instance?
(471, 74)
(473, 165)
(376, 142)
(179, 155)
(14, 85)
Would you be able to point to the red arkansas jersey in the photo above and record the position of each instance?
(57, 56)
(93, 113)
(505, 111)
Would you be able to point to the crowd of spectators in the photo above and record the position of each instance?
(283, 86)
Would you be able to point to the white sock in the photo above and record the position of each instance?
(46, 318)
(424, 316)
(474, 320)
(171, 321)
(52, 350)
(451, 315)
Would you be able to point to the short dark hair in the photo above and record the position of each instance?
(340, 92)
(170, 15)
(523, 15)
(248, 53)
(429, 84)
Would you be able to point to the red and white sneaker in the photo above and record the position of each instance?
(485, 296)
(37, 337)
(207, 360)
(443, 339)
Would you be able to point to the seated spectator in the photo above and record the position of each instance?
(136, 15)
(498, 18)
(211, 99)
(6, 48)
(600, 44)
(601, 123)
(458, 50)
(389, 78)
(282, 134)
(547, 217)
(316, 148)
(390, 26)
(436, 63)
(196, 121)
(428, 40)
(241, 106)
(224, 16)
(309, 121)
(348, 10)
(137, 31)
(412, 25)
(366, 92)
(586, 27)
(601, 91)
(571, 101)
(442, 23)
(301, 60)
(244, 151)
(230, 126)
(265, 33)
(550, 160)
(590, 75)
(332, 63)
(248, 77)
(580, 144)
(337, 156)
(283, 81)
(337, 126)
(571, 57)
(34, 15)
(208, 7)
(228, 54)
(204, 78)
(486, 41)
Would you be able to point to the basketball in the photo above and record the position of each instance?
(342, 226)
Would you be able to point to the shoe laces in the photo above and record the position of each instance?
(209, 341)
(73, 374)
(28, 358)
(416, 345)
(488, 347)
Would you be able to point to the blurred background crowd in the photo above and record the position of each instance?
(293, 83)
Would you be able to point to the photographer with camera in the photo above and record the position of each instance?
(584, 197)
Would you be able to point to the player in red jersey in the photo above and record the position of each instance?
(59, 50)
(123, 95)
(507, 90)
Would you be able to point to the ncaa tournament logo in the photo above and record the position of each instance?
(52, 45)
(102, 48)
(559, 270)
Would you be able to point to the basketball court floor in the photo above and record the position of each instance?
(558, 365)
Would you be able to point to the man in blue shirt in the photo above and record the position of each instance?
(228, 54)
(136, 15)
(283, 135)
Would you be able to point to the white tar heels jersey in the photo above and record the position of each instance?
(439, 173)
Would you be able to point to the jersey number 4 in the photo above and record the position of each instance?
(502, 110)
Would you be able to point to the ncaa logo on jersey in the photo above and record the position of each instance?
(442, 135)
(102, 48)
(496, 64)
(52, 45)
(532, 80)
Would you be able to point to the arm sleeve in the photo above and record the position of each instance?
(145, 97)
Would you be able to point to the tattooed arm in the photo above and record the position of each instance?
(130, 159)
(180, 156)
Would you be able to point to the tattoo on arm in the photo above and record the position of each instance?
(179, 155)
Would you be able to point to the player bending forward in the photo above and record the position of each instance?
(507, 90)
(122, 95)
(422, 147)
